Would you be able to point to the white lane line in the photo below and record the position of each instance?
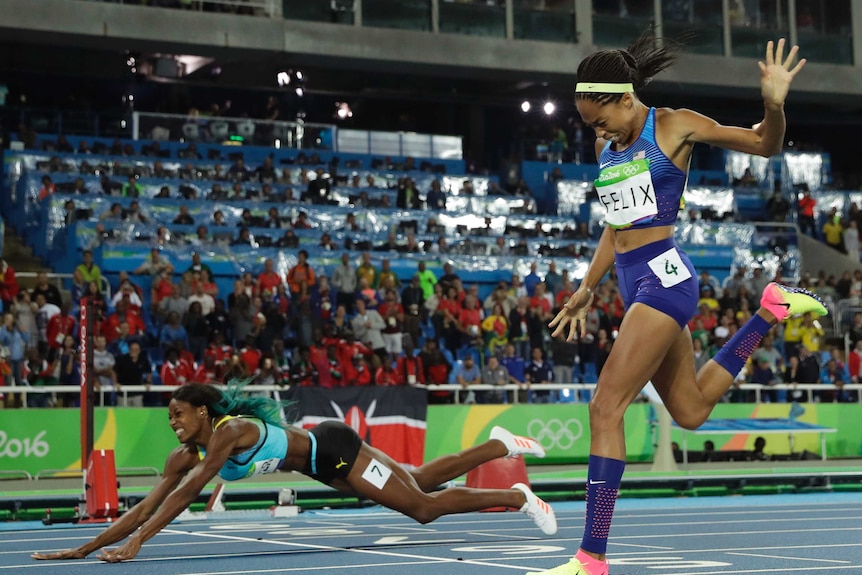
(807, 569)
(347, 550)
(786, 558)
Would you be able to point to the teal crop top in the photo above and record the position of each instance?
(265, 456)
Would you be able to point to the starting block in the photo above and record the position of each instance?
(500, 473)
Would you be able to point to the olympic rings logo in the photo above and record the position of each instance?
(631, 170)
(555, 433)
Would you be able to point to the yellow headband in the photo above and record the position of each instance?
(604, 88)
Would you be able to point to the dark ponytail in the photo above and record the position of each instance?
(234, 400)
(639, 63)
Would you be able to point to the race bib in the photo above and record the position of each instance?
(265, 466)
(669, 268)
(627, 193)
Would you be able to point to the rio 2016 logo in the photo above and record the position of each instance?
(13, 448)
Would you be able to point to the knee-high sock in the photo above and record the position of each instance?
(603, 484)
(733, 355)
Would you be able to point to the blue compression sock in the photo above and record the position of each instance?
(733, 355)
(603, 484)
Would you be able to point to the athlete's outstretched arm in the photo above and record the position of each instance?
(176, 466)
(218, 449)
(765, 138)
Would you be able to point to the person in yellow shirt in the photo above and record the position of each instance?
(89, 270)
(833, 232)
(811, 333)
(367, 270)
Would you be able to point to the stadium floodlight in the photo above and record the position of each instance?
(549, 108)
(343, 111)
(525, 106)
(300, 92)
(283, 78)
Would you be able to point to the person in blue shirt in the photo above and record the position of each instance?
(15, 341)
(234, 435)
(172, 331)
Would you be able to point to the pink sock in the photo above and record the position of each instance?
(593, 565)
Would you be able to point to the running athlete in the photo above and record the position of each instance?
(644, 156)
(233, 435)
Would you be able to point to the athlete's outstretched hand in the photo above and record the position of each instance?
(574, 312)
(125, 552)
(67, 554)
(777, 74)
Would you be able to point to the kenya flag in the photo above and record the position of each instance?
(392, 419)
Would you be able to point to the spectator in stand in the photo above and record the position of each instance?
(811, 333)
(88, 269)
(384, 371)
(103, 368)
(344, 280)
(208, 371)
(268, 280)
(47, 289)
(366, 270)
(835, 376)
(367, 326)
(302, 372)
(427, 279)
(437, 370)
(386, 273)
(133, 368)
(174, 371)
(59, 326)
(238, 172)
(777, 207)
(833, 231)
(532, 279)
(242, 318)
(331, 372)
(392, 313)
(553, 280)
(43, 311)
(16, 340)
(436, 198)
(8, 285)
(467, 373)
(301, 278)
(154, 265)
(195, 324)
(851, 240)
(39, 373)
(449, 276)
(806, 205)
(358, 372)
(48, 188)
(409, 366)
(127, 293)
(539, 371)
(206, 301)
(172, 331)
(184, 218)
(131, 189)
(493, 374)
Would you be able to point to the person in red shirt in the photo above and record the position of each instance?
(385, 375)
(269, 280)
(218, 350)
(123, 313)
(174, 371)
(163, 287)
(349, 348)
(48, 188)
(409, 367)
(185, 356)
(250, 355)
(302, 372)
(207, 372)
(358, 371)
(806, 206)
(330, 371)
(470, 320)
(59, 326)
(8, 285)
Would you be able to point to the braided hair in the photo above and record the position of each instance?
(638, 63)
(233, 400)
